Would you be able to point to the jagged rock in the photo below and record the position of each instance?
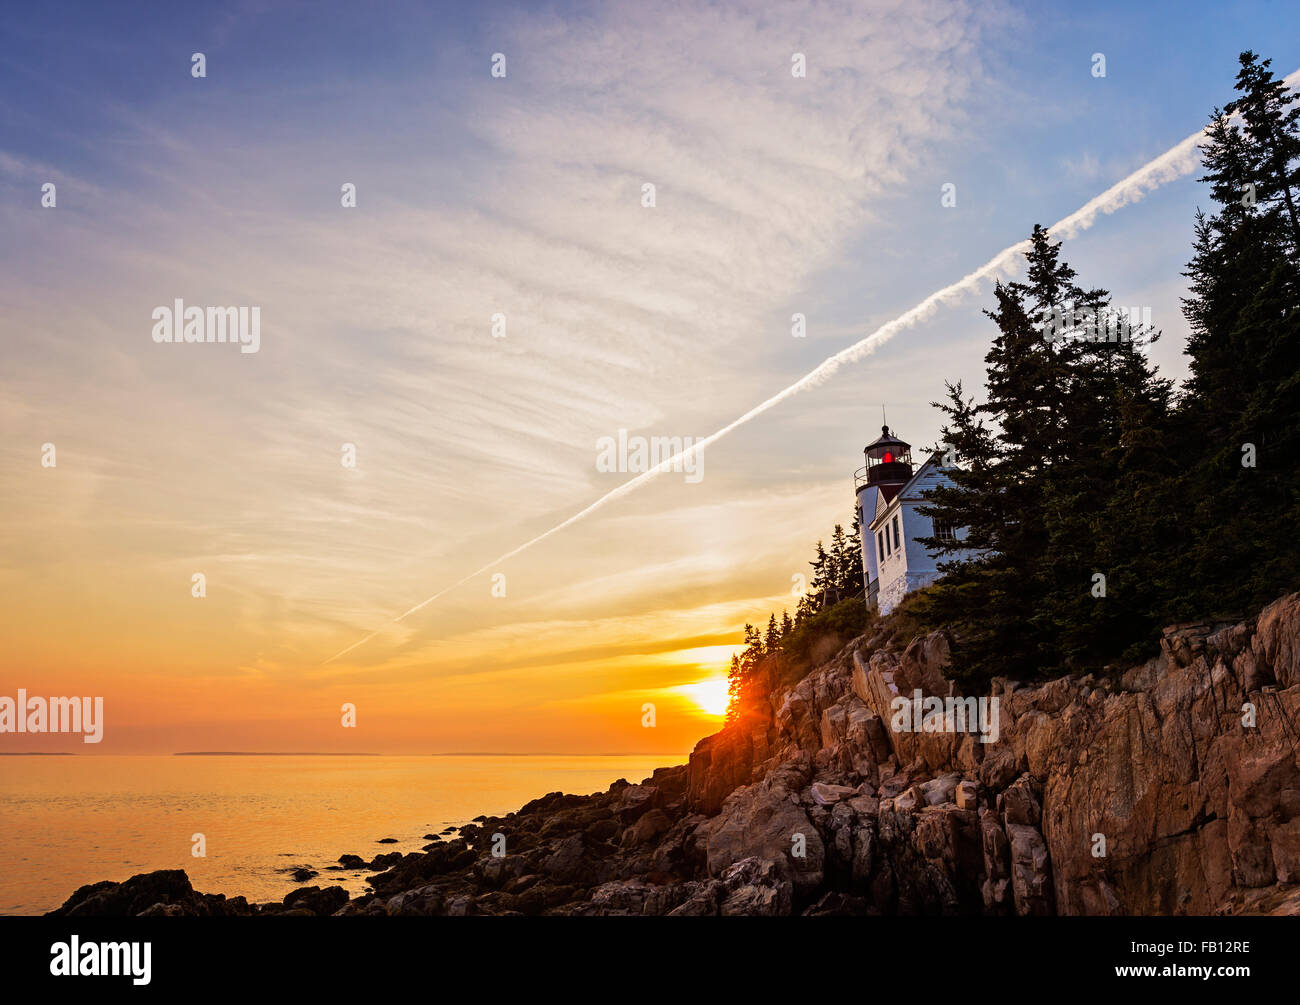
(606, 829)
(702, 902)
(493, 871)
(1276, 642)
(316, 900)
(547, 804)
(828, 795)
(999, 767)
(421, 902)
(834, 725)
(647, 828)
(835, 904)
(865, 806)
(635, 897)
(851, 841)
(1018, 803)
(940, 790)
(163, 911)
(1030, 874)
(417, 868)
(922, 664)
(1285, 841)
(719, 765)
(762, 821)
(996, 888)
(635, 800)
(756, 887)
(909, 800)
(545, 897)
(681, 849)
(166, 892)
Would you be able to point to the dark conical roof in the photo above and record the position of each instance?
(886, 443)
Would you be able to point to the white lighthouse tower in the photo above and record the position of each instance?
(889, 493)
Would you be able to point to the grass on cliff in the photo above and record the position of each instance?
(818, 637)
(821, 636)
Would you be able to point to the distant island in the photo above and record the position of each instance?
(348, 753)
(275, 753)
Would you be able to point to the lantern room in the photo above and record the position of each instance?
(889, 464)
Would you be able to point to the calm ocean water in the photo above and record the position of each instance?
(67, 821)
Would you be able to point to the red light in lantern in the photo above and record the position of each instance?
(889, 458)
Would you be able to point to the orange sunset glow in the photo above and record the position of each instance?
(374, 508)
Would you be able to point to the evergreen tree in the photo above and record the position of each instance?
(735, 680)
(1242, 406)
(976, 599)
(1037, 486)
(753, 648)
(819, 582)
(854, 575)
(840, 562)
(1272, 129)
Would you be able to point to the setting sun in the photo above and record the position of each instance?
(709, 695)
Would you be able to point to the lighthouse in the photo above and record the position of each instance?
(889, 491)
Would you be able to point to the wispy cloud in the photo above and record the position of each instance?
(1178, 160)
(377, 320)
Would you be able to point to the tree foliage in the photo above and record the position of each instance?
(1103, 503)
(833, 603)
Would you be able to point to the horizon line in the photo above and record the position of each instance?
(336, 753)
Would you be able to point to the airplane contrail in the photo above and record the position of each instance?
(1180, 159)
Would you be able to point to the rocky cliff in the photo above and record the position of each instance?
(1172, 788)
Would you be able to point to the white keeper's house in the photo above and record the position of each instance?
(888, 491)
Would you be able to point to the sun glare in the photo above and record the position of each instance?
(709, 695)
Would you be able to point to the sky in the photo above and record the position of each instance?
(520, 196)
